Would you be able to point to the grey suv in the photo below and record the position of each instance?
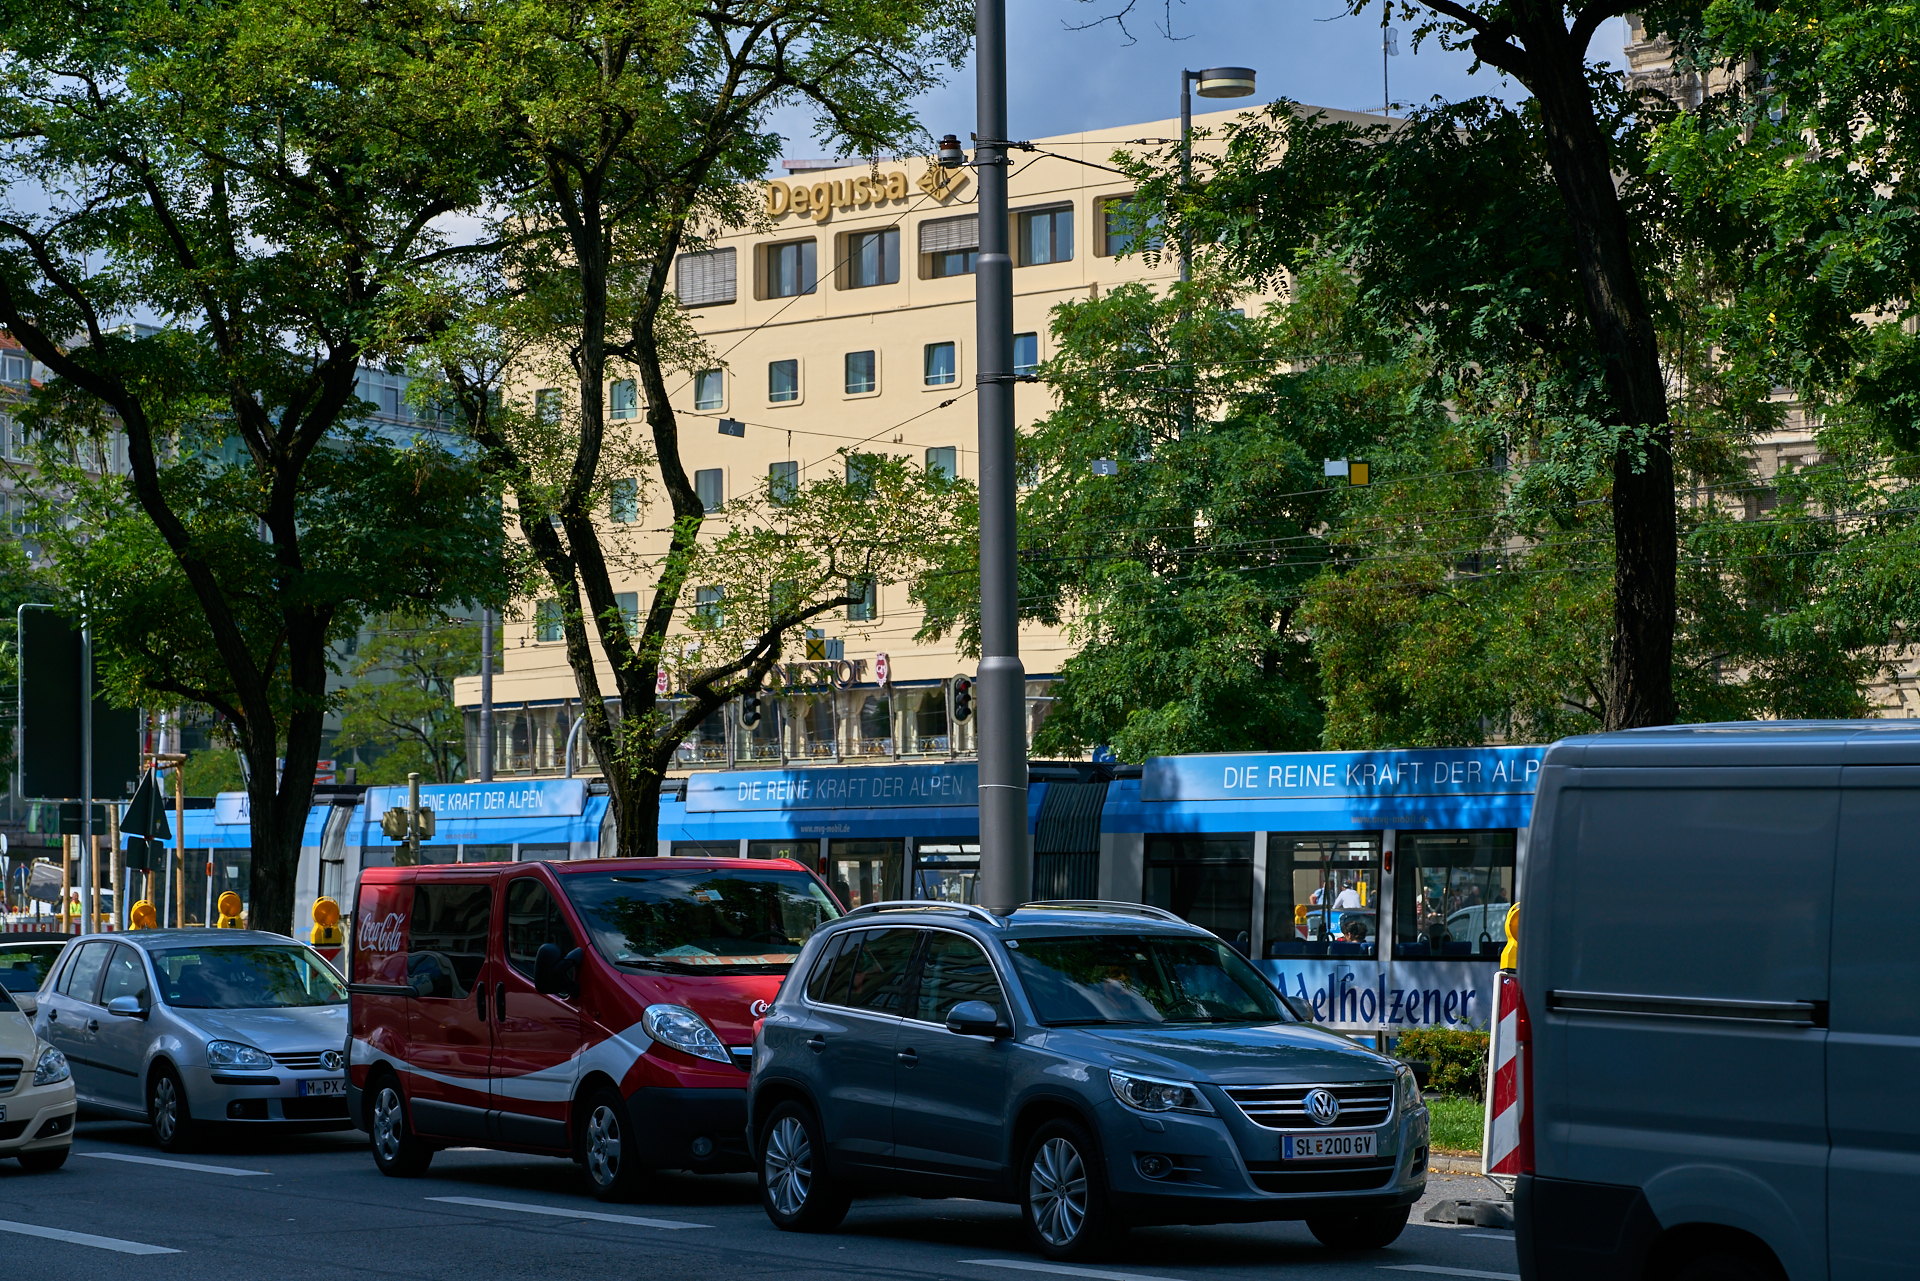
(1101, 1065)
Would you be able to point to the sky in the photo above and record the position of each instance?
(1061, 80)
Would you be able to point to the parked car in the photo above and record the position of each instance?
(1098, 1065)
(600, 1010)
(36, 1093)
(191, 1028)
(25, 959)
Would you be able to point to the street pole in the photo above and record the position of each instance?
(1005, 865)
(1186, 164)
(88, 862)
(413, 817)
(486, 695)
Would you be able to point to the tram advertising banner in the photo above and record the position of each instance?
(1355, 994)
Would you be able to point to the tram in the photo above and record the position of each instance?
(1372, 885)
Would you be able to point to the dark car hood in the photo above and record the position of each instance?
(1269, 1054)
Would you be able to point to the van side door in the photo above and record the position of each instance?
(1873, 1045)
(449, 1020)
(536, 1037)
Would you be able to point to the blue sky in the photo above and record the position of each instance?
(1061, 81)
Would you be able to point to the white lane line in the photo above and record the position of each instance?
(1061, 1269)
(562, 1213)
(234, 1171)
(1490, 1236)
(84, 1238)
(1438, 1271)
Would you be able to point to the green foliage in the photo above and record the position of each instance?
(402, 706)
(1455, 1124)
(210, 772)
(21, 582)
(1456, 1060)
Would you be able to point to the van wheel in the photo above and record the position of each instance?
(795, 1189)
(173, 1127)
(45, 1161)
(397, 1150)
(609, 1148)
(1065, 1206)
(1372, 1230)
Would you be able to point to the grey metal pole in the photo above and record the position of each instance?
(87, 888)
(486, 695)
(1005, 865)
(1186, 161)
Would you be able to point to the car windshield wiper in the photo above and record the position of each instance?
(651, 963)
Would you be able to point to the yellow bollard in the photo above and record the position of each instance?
(143, 916)
(229, 905)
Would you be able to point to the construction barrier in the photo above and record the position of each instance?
(1506, 1101)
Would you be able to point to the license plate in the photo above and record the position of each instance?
(311, 1089)
(1325, 1147)
(3, 1111)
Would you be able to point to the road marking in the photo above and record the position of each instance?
(562, 1213)
(1061, 1269)
(234, 1171)
(84, 1238)
(1490, 1236)
(1436, 1270)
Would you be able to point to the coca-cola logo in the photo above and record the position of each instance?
(759, 1008)
(382, 936)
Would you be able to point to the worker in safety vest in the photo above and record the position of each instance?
(229, 905)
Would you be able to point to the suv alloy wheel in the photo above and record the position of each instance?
(797, 1192)
(1065, 1203)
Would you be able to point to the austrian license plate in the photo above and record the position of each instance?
(322, 1089)
(1325, 1147)
(3, 1111)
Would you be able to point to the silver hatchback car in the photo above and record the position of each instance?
(188, 1027)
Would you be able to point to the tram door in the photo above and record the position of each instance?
(947, 871)
(867, 871)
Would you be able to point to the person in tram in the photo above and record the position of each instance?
(1348, 898)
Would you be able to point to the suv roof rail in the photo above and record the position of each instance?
(928, 905)
(1106, 905)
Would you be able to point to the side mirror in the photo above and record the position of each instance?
(127, 1007)
(553, 973)
(976, 1018)
(1421, 1071)
(1301, 1009)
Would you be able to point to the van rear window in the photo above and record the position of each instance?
(700, 920)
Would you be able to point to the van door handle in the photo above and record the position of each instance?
(817, 1043)
(480, 1001)
(908, 1058)
(500, 1002)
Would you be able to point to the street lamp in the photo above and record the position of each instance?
(1215, 82)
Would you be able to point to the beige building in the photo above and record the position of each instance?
(850, 324)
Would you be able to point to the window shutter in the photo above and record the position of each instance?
(707, 278)
(950, 235)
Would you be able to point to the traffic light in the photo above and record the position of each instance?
(750, 708)
(962, 698)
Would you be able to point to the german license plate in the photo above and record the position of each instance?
(322, 1089)
(1325, 1147)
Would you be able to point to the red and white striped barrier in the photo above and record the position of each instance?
(1504, 1149)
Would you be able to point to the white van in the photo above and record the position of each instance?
(1720, 971)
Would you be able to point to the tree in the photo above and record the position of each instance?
(403, 704)
(265, 178)
(633, 134)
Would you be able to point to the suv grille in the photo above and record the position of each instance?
(1283, 1107)
(306, 1061)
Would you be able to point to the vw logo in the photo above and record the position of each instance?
(759, 1008)
(333, 1060)
(1321, 1106)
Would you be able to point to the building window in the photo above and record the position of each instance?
(944, 460)
(866, 603)
(623, 501)
(1026, 353)
(16, 368)
(1121, 227)
(546, 405)
(783, 482)
(1046, 235)
(783, 381)
(623, 404)
(547, 623)
(863, 373)
(706, 606)
(949, 246)
(873, 258)
(710, 484)
(628, 604)
(710, 389)
(790, 269)
(942, 368)
(705, 279)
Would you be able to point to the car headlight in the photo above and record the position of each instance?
(232, 1054)
(681, 1028)
(51, 1068)
(1409, 1089)
(1148, 1094)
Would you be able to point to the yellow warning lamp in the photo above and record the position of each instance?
(326, 924)
(142, 916)
(229, 905)
(1510, 954)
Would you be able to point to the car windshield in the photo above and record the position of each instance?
(24, 965)
(245, 977)
(1085, 979)
(743, 920)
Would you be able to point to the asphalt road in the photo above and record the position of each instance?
(314, 1207)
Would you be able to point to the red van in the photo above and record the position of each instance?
(601, 1010)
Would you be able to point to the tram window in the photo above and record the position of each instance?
(947, 871)
(1205, 878)
(865, 871)
(1322, 895)
(706, 849)
(1451, 892)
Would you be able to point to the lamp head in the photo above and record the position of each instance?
(1224, 82)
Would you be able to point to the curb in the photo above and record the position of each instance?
(1440, 1163)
